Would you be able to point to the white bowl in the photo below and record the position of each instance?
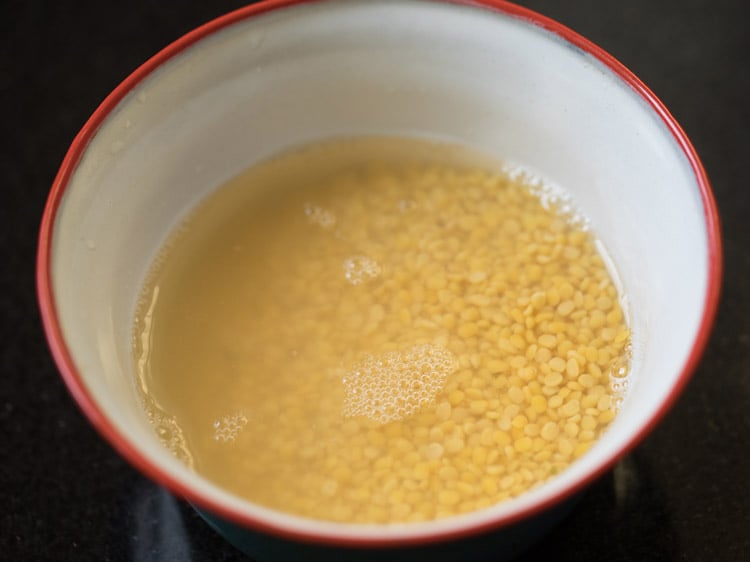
(273, 75)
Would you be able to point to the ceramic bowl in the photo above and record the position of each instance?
(278, 74)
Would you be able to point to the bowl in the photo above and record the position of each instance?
(278, 74)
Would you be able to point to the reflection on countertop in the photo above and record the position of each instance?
(160, 532)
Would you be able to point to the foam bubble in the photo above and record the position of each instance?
(227, 427)
(320, 216)
(550, 195)
(394, 385)
(169, 433)
(360, 269)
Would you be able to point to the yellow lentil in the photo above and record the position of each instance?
(479, 456)
(516, 395)
(522, 444)
(542, 355)
(572, 368)
(489, 486)
(456, 397)
(501, 438)
(557, 364)
(548, 340)
(565, 308)
(531, 430)
(588, 422)
(570, 408)
(571, 429)
(606, 417)
(553, 297)
(586, 380)
(449, 497)
(539, 403)
(478, 407)
(454, 444)
(549, 431)
(587, 435)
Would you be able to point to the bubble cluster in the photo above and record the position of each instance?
(169, 433)
(395, 385)
(550, 195)
(360, 269)
(227, 427)
(320, 216)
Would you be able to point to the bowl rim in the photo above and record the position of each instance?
(140, 461)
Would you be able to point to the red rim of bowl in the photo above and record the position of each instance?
(99, 419)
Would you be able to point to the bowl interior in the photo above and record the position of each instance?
(482, 77)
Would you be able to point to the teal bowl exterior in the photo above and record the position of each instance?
(500, 545)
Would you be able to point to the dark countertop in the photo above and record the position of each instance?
(65, 495)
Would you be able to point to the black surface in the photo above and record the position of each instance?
(64, 495)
